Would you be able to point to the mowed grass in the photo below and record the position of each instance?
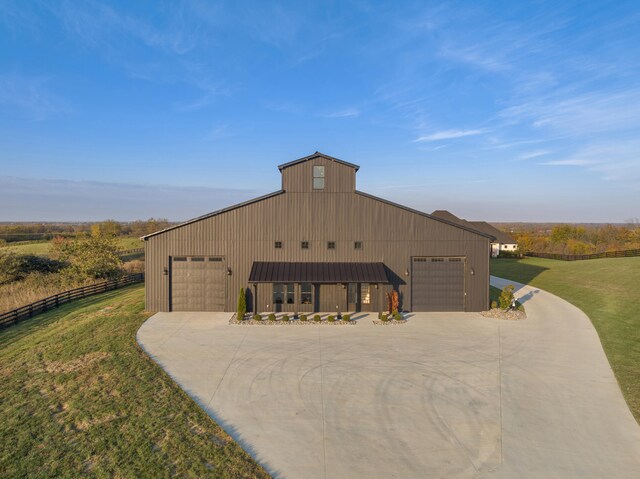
(42, 248)
(81, 399)
(608, 291)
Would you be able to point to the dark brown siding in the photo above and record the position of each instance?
(339, 178)
(389, 234)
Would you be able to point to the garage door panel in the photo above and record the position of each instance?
(198, 284)
(437, 284)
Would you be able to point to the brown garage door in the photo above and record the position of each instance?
(198, 283)
(437, 284)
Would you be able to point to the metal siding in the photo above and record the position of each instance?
(390, 235)
(438, 286)
(197, 286)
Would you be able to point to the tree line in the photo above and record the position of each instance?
(578, 239)
(46, 231)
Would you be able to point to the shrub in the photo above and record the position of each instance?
(272, 317)
(285, 318)
(331, 318)
(317, 318)
(384, 317)
(242, 304)
(506, 297)
(494, 304)
(346, 318)
(303, 317)
(257, 317)
(397, 316)
(133, 267)
(14, 267)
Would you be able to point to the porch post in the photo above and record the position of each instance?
(255, 298)
(380, 293)
(296, 299)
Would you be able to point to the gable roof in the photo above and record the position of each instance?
(500, 236)
(447, 215)
(215, 213)
(317, 154)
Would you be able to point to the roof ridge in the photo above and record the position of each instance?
(316, 155)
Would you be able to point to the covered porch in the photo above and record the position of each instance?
(298, 287)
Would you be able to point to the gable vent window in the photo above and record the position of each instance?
(278, 244)
(357, 245)
(331, 245)
(318, 177)
(304, 245)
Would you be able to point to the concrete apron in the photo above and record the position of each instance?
(445, 395)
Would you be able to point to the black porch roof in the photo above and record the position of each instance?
(280, 272)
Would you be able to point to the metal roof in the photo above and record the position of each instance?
(317, 154)
(281, 272)
(499, 235)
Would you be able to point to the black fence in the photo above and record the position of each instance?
(42, 305)
(577, 257)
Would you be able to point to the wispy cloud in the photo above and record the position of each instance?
(448, 135)
(593, 112)
(614, 160)
(30, 96)
(345, 113)
(570, 162)
(533, 154)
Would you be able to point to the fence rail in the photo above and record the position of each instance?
(577, 257)
(28, 311)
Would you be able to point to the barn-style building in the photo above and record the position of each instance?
(317, 245)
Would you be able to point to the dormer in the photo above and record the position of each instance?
(318, 173)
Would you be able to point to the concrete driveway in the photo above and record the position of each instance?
(446, 395)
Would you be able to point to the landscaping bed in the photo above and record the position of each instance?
(265, 321)
(508, 314)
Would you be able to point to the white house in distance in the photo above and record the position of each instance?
(502, 241)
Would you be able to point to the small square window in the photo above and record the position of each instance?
(331, 245)
(318, 183)
(304, 245)
(278, 244)
(357, 245)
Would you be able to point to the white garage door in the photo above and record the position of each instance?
(437, 284)
(198, 283)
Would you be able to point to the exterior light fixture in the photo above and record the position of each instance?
(406, 272)
(228, 271)
(472, 272)
(375, 286)
(165, 271)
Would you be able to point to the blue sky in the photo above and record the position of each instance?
(504, 111)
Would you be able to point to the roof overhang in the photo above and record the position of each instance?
(317, 154)
(283, 272)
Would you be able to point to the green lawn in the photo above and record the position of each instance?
(80, 399)
(42, 248)
(608, 291)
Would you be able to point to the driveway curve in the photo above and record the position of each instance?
(445, 395)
